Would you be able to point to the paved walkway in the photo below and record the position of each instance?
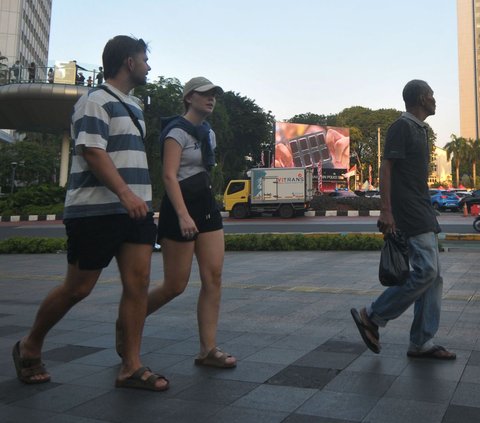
(285, 315)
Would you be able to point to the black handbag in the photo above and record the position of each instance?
(394, 265)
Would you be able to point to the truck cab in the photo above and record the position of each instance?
(236, 198)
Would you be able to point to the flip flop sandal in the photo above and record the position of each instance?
(212, 359)
(363, 328)
(437, 352)
(135, 381)
(27, 368)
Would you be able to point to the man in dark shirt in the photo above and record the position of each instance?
(406, 207)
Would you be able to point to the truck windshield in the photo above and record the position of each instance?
(236, 187)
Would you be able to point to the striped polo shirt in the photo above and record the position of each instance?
(100, 120)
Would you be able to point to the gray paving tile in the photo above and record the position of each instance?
(368, 384)
(275, 356)
(303, 377)
(303, 418)
(69, 353)
(100, 358)
(300, 342)
(341, 346)
(247, 415)
(246, 371)
(275, 398)
(461, 414)
(474, 359)
(63, 418)
(126, 406)
(326, 359)
(12, 414)
(471, 374)
(378, 364)
(266, 329)
(433, 370)
(401, 411)
(422, 390)
(217, 391)
(70, 372)
(336, 405)
(60, 398)
(13, 390)
(467, 394)
(103, 378)
(8, 330)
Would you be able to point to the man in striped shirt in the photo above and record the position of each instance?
(108, 213)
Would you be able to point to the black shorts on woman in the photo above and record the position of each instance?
(201, 205)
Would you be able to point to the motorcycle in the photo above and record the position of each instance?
(476, 224)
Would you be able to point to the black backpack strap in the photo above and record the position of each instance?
(132, 115)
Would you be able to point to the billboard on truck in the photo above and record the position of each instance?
(325, 148)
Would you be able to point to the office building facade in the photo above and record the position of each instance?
(468, 19)
(25, 33)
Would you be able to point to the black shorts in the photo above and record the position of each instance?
(203, 211)
(94, 241)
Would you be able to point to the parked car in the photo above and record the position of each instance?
(474, 198)
(463, 194)
(444, 200)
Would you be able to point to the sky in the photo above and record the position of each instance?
(289, 56)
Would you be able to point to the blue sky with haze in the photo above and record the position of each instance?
(291, 57)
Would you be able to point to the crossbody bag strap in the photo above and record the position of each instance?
(132, 115)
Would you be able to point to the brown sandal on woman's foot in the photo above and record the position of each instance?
(216, 358)
(28, 368)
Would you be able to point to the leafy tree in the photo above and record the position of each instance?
(314, 119)
(456, 149)
(161, 98)
(37, 159)
(364, 124)
(250, 130)
(473, 155)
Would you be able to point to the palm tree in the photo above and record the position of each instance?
(474, 156)
(456, 149)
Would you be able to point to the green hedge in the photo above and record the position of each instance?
(296, 242)
(233, 242)
(38, 199)
(32, 245)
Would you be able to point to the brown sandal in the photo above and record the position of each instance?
(216, 358)
(368, 331)
(135, 381)
(27, 368)
(437, 352)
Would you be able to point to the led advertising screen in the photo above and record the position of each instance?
(325, 148)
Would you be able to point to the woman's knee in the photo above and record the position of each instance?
(212, 281)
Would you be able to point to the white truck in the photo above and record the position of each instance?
(283, 190)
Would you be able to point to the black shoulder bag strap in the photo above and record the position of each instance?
(132, 116)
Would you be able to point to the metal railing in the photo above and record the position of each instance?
(66, 73)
